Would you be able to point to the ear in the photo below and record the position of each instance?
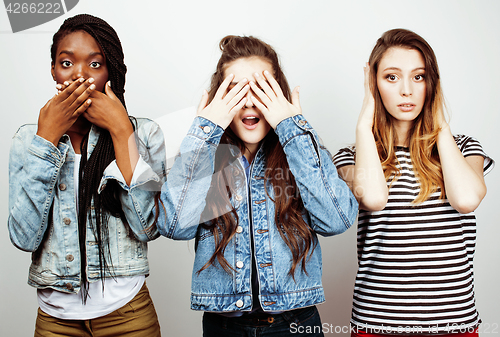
(53, 72)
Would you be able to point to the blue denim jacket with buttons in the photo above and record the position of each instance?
(330, 209)
(43, 215)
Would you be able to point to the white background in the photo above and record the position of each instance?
(171, 49)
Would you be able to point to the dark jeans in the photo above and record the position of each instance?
(299, 322)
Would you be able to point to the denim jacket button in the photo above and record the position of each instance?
(239, 303)
(70, 258)
(239, 264)
(238, 197)
(302, 122)
(207, 129)
(62, 187)
(239, 229)
(69, 286)
(67, 221)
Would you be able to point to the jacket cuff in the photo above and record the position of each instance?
(291, 127)
(45, 150)
(206, 130)
(143, 173)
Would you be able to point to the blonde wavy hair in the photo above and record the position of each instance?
(424, 132)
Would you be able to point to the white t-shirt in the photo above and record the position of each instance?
(117, 292)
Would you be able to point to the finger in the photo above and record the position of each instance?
(259, 105)
(203, 102)
(82, 108)
(109, 92)
(67, 88)
(366, 70)
(265, 86)
(236, 99)
(260, 94)
(295, 97)
(221, 91)
(76, 90)
(274, 84)
(238, 107)
(81, 96)
(235, 90)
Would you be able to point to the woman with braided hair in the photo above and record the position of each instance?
(81, 193)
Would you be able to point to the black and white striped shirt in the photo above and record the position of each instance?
(415, 271)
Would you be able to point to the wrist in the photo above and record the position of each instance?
(444, 127)
(54, 139)
(120, 132)
(364, 127)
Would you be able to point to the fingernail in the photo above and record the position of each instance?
(91, 80)
(89, 101)
(252, 83)
(66, 83)
(230, 75)
(81, 79)
(92, 87)
(244, 80)
(257, 75)
(266, 72)
(298, 89)
(58, 86)
(109, 84)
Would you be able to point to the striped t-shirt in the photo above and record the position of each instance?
(415, 272)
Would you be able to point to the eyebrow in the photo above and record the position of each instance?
(397, 69)
(94, 53)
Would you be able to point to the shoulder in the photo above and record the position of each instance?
(26, 129)
(470, 146)
(25, 133)
(146, 128)
(345, 156)
(144, 123)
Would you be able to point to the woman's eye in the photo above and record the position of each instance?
(66, 64)
(95, 65)
(419, 77)
(391, 77)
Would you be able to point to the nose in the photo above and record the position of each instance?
(249, 102)
(406, 88)
(78, 72)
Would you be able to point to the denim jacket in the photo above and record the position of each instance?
(330, 209)
(43, 215)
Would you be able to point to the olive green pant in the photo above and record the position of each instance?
(137, 318)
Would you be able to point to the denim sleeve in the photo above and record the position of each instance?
(34, 166)
(138, 199)
(183, 195)
(331, 205)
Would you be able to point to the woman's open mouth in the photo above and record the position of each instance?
(250, 122)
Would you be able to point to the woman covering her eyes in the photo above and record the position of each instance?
(254, 187)
(81, 192)
(418, 186)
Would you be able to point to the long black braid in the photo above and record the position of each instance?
(96, 207)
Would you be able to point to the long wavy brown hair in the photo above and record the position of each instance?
(424, 132)
(289, 208)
